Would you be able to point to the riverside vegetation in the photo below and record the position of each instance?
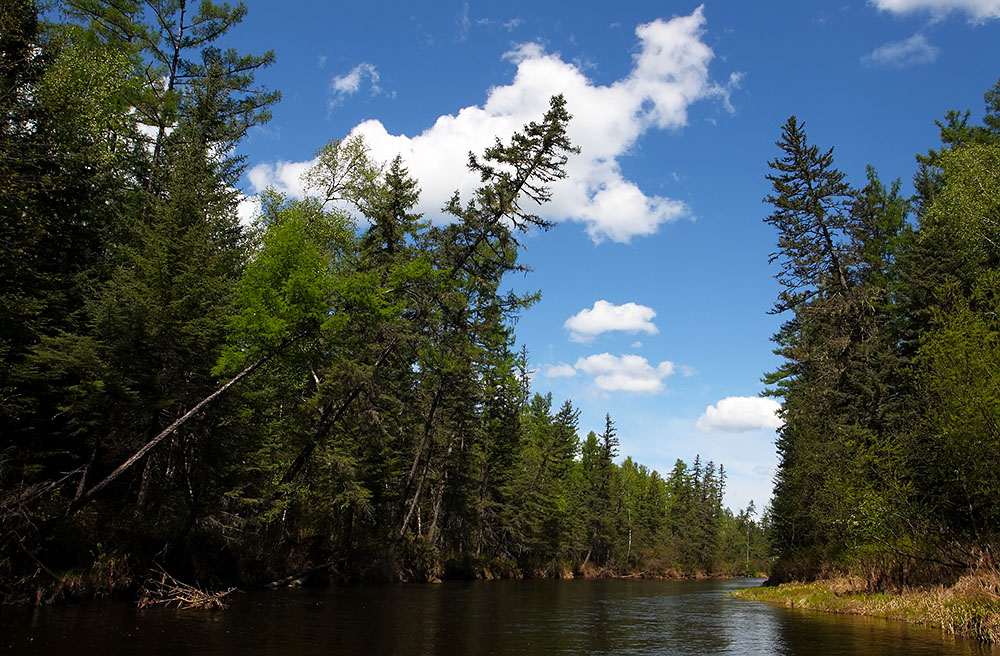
(323, 393)
(964, 608)
(339, 393)
(888, 483)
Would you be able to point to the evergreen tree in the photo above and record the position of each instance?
(336, 383)
(949, 445)
(810, 200)
(65, 201)
(820, 266)
(168, 38)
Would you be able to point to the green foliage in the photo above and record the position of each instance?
(955, 133)
(889, 386)
(344, 172)
(809, 200)
(245, 402)
(967, 205)
(287, 286)
(86, 84)
(959, 382)
(65, 205)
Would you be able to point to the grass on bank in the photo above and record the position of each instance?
(970, 608)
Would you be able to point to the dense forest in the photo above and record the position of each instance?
(891, 374)
(335, 388)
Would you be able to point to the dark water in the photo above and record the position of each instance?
(506, 617)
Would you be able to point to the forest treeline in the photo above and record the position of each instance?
(891, 362)
(334, 388)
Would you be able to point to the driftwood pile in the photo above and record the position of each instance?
(162, 588)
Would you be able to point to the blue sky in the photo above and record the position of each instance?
(655, 282)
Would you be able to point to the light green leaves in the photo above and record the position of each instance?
(287, 287)
(969, 202)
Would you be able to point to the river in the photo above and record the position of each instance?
(472, 617)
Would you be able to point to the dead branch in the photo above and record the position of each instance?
(162, 588)
(85, 498)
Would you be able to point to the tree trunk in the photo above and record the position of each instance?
(439, 496)
(326, 423)
(416, 498)
(87, 496)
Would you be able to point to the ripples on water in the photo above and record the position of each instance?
(505, 617)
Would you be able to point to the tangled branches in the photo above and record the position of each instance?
(162, 588)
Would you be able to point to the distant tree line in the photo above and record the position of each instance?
(891, 373)
(334, 388)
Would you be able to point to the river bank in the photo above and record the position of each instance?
(505, 618)
(118, 578)
(970, 608)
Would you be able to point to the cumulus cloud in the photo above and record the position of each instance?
(286, 177)
(977, 10)
(604, 317)
(736, 414)
(625, 373)
(669, 74)
(900, 54)
(348, 84)
(561, 370)
(247, 207)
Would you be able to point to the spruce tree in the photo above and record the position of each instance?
(811, 203)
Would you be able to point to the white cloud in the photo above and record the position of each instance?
(561, 370)
(150, 132)
(978, 10)
(604, 317)
(247, 207)
(669, 74)
(735, 414)
(349, 83)
(463, 22)
(505, 25)
(626, 373)
(636, 345)
(900, 54)
(285, 177)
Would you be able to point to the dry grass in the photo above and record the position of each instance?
(970, 608)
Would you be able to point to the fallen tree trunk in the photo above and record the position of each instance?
(289, 580)
(327, 421)
(85, 498)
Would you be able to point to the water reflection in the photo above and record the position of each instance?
(508, 617)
